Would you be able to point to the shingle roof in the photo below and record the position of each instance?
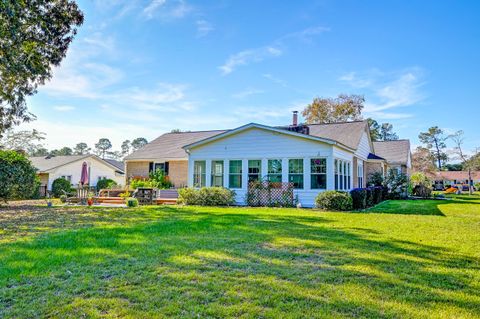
(118, 164)
(456, 175)
(45, 163)
(170, 145)
(395, 152)
(347, 133)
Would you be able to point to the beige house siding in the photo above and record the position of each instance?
(43, 179)
(355, 172)
(178, 173)
(136, 169)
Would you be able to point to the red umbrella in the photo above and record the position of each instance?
(84, 176)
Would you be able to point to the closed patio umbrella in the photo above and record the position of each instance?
(84, 176)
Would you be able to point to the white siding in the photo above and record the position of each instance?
(364, 147)
(74, 169)
(260, 144)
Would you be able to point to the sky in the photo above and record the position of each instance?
(143, 68)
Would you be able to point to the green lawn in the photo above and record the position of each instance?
(416, 259)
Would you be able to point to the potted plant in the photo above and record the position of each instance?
(90, 199)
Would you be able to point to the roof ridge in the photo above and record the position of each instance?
(343, 122)
(204, 131)
(399, 140)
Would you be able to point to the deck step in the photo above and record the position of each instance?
(168, 201)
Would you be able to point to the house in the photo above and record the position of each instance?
(396, 155)
(443, 178)
(52, 167)
(314, 157)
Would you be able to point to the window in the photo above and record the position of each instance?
(275, 171)
(235, 174)
(102, 177)
(295, 172)
(342, 175)
(254, 170)
(199, 171)
(360, 175)
(318, 172)
(67, 177)
(217, 173)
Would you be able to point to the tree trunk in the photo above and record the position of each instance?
(470, 186)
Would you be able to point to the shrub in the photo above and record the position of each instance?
(105, 183)
(359, 198)
(132, 202)
(141, 183)
(206, 196)
(377, 195)
(375, 179)
(60, 186)
(159, 178)
(397, 184)
(477, 186)
(334, 200)
(422, 191)
(17, 176)
(63, 198)
(369, 196)
(421, 185)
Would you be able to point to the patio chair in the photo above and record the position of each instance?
(79, 197)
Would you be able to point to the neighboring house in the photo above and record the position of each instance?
(314, 157)
(70, 167)
(444, 178)
(396, 153)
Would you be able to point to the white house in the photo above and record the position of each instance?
(315, 157)
(51, 167)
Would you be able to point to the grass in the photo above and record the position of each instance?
(415, 259)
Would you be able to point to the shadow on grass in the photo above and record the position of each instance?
(189, 262)
(417, 207)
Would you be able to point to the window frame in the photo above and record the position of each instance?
(203, 176)
(297, 173)
(237, 174)
(214, 175)
(280, 174)
(259, 174)
(312, 173)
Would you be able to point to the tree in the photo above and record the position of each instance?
(386, 133)
(34, 37)
(434, 139)
(332, 110)
(459, 153)
(138, 143)
(453, 167)
(27, 141)
(42, 151)
(116, 155)
(102, 147)
(64, 151)
(126, 147)
(81, 149)
(423, 161)
(374, 129)
(17, 176)
(176, 130)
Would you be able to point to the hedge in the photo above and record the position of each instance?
(206, 196)
(334, 200)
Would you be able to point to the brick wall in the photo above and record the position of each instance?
(178, 173)
(136, 169)
(371, 168)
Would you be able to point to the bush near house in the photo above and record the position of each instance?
(156, 179)
(132, 202)
(60, 186)
(421, 185)
(18, 178)
(206, 196)
(397, 184)
(334, 200)
(106, 183)
(367, 197)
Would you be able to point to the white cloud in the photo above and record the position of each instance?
(247, 57)
(275, 79)
(167, 9)
(275, 49)
(388, 91)
(245, 93)
(203, 28)
(64, 108)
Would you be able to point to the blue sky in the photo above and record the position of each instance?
(142, 68)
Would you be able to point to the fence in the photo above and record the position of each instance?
(274, 194)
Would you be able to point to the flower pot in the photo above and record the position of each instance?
(90, 202)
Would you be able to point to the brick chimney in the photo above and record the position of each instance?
(295, 118)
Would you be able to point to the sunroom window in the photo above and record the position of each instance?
(235, 174)
(217, 174)
(275, 170)
(295, 172)
(254, 170)
(199, 173)
(318, 167)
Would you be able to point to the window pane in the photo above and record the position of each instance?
(319, 181)
(275, 178)
(297, 180)
(235, 181)
(295, 166)
(254, 166)
(236, 167)
(199, 173)
(217, 173)
(274, 166)
(319, 165)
